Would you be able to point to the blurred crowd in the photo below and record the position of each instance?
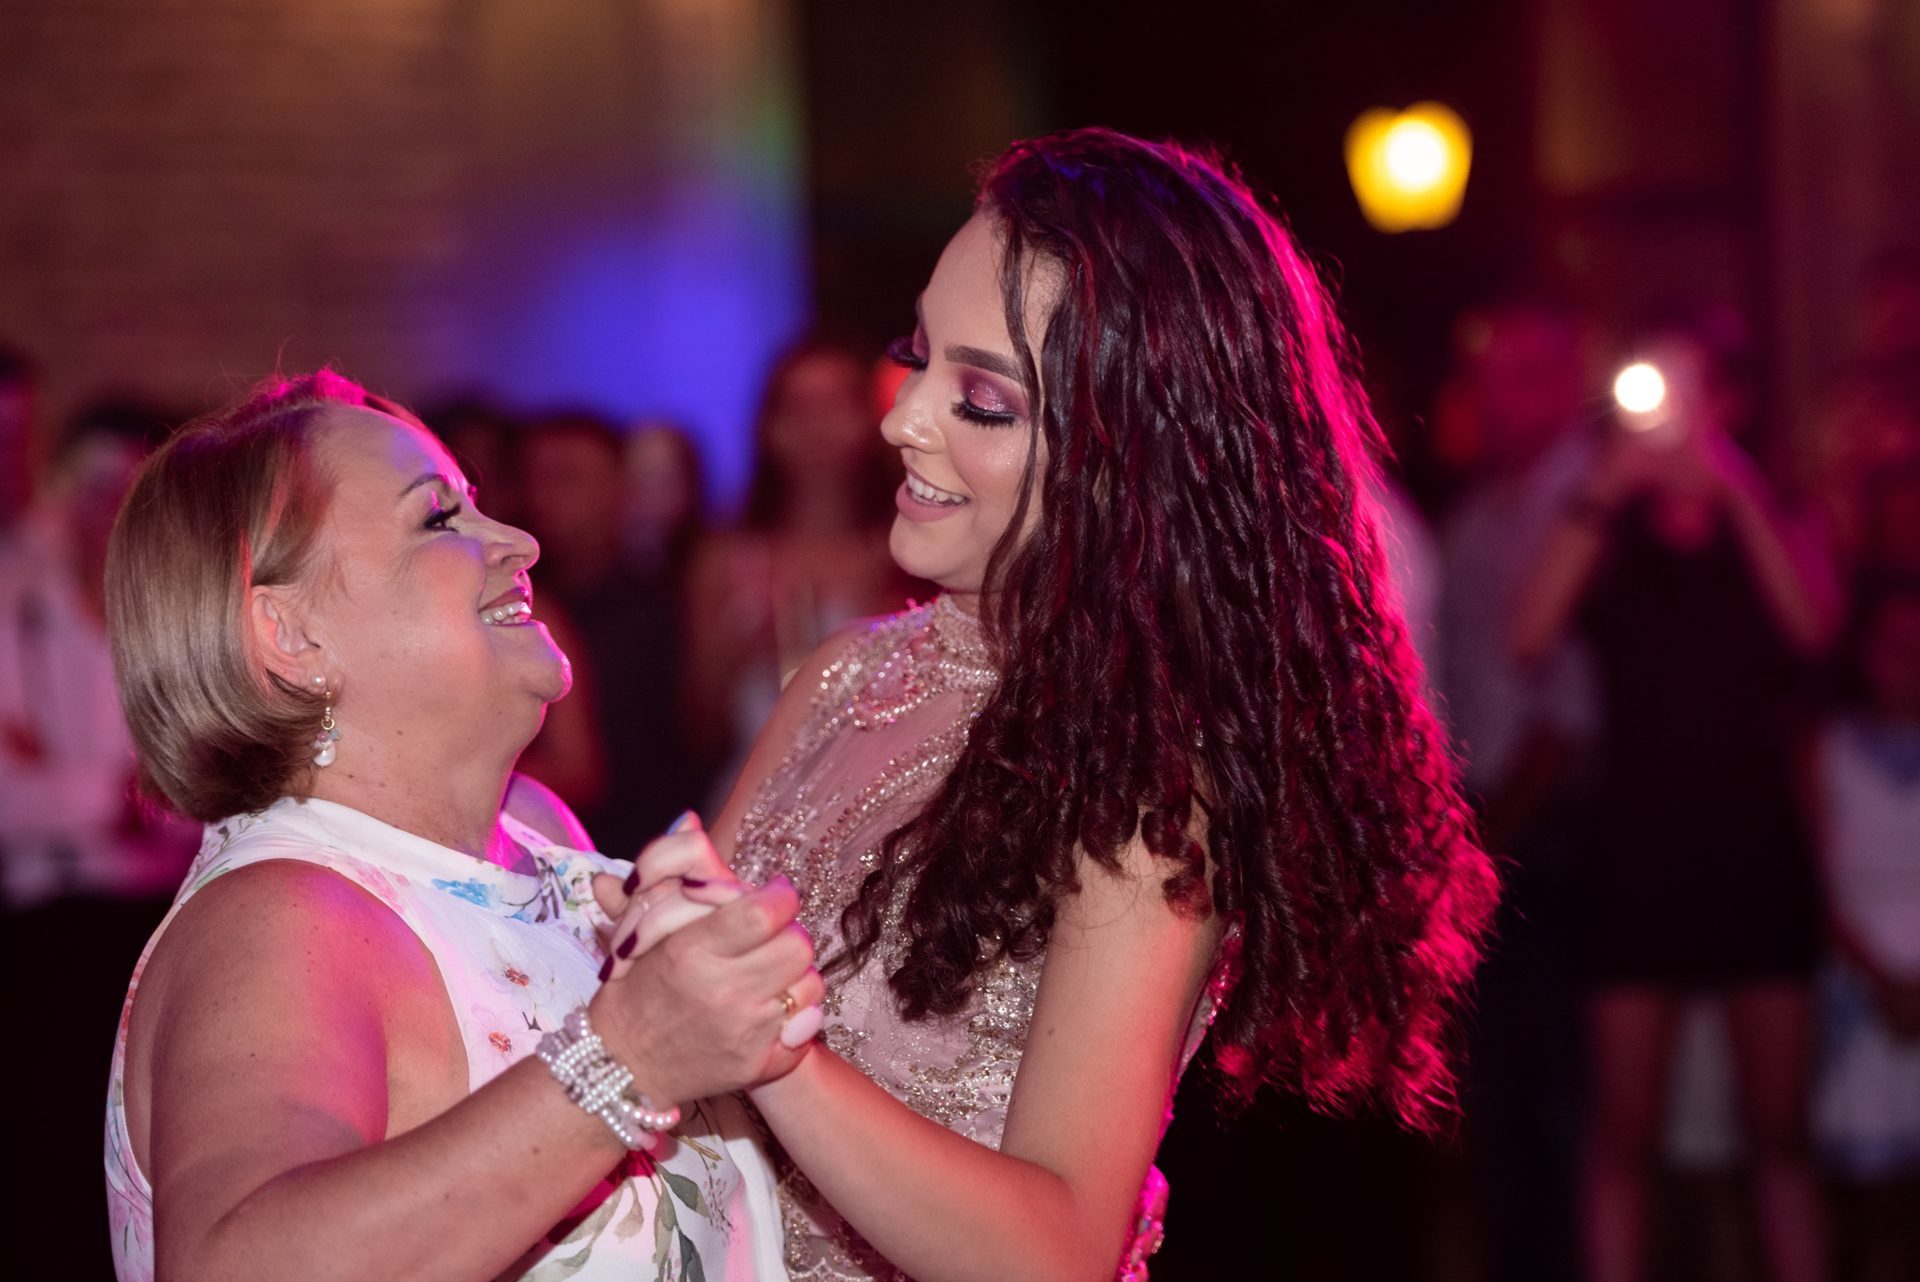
(1679, 648)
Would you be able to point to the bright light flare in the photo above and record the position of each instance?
(1416, 153)
(1640, 390)
(1409, 168)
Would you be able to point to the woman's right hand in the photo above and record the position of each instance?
(700, 1012)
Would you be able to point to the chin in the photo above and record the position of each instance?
(922, 558)
(554, 679)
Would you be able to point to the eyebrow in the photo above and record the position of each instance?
(435, 478)
(981, 358)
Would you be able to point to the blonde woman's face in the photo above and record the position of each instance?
(423, 607)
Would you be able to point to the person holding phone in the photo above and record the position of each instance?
(1704, 606)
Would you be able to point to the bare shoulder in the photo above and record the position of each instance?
(256, 936)
(273, 1021)
(1134, 892)
(542, 809)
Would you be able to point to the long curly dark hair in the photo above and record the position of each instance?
(1198, 621)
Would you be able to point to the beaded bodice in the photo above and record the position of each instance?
(891, 716)
(889, 719)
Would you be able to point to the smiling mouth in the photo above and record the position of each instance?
(502, 616)
(508, 609)
(931, 493)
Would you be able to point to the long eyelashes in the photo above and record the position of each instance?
(972, 413)
(441, 518)
(900, 352)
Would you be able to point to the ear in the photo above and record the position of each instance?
(278, 632)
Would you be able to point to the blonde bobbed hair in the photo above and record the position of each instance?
(232, 502)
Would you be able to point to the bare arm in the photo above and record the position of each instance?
(1795, 579)
(1559, 582)
(1576, 546)
(299, 1119)
(1123, 971)
(1122, 975)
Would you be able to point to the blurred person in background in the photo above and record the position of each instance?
(1865, 793)
(68, 822)
(85, 868)
(628, 659)
(1521, 394)
(809, 552)
(18, 379)
(1705, 606)
(1869, 423)
(665, 508)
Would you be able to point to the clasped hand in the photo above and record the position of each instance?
(712, 987)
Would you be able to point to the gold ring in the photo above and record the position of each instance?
(787, 1005)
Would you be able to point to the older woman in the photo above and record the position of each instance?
(369, 1040)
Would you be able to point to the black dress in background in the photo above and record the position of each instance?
(1697, 870)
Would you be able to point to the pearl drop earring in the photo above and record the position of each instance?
(323, 743)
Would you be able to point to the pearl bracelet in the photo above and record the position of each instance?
(600, 1084)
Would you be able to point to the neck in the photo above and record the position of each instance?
(458, 808)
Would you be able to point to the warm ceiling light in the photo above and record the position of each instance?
(1409, 168)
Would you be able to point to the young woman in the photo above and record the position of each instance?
(1156, 760)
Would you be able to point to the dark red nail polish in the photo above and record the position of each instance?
(606, 969)
(625, 949)
(693, 881)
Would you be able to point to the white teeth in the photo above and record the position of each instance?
(512, 612)
(929, 494)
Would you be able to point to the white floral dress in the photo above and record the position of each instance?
(516, 952)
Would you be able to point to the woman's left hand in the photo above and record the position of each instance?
(678, 879)
(663, 892)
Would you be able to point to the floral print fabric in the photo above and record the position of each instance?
(516, 952)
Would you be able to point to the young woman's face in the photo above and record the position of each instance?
(961, 419)
(422, 607)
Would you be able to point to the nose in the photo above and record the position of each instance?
(511, 547)
(911, 424)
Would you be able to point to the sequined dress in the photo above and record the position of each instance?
(890, 718)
